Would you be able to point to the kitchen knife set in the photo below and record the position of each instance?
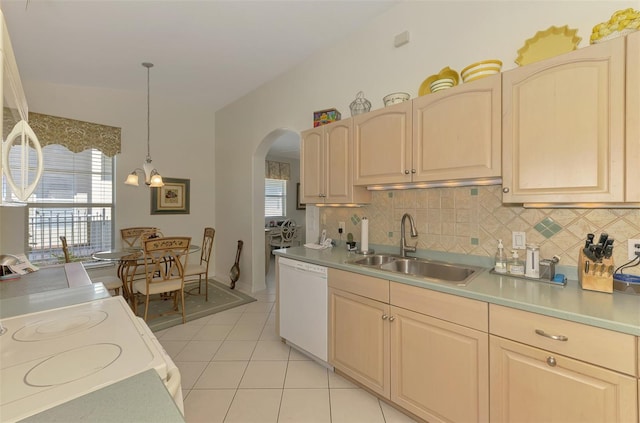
(596, 252)
(595, 264)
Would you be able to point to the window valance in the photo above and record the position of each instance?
(277, 170)
(76, 135)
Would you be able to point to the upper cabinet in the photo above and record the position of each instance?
(382, 145)
(563, 128)
(326, 166)
(633, 118)
(452, 134)
(457, 133)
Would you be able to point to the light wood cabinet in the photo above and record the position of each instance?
(563, 127)
(359, 339)
(553, 370)
(633, 118)
(326, 165)
(382, 145)
(453, 134)
(439, 370)
(427, 364)
(457, 132)
(530, 384)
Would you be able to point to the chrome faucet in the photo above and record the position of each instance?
(414, 233)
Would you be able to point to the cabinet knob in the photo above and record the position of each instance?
(551, 361)
(392, 318)
(413, 171)
(406, 172)
(505, 190)
(384, 317)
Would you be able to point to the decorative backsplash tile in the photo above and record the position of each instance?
(471, 220)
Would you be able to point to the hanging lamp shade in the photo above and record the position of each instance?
(152, 177)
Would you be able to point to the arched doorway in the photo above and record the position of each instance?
(289, 138)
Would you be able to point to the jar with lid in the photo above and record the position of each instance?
(360, 105)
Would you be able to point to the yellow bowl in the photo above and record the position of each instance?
(481, 66)
(425, 87)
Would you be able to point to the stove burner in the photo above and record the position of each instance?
(62, 326)
(86, 361)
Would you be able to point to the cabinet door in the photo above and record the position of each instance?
(439, 370)
(563, 127)
(457, 133)
(312, 166)
(359, 339)
(337, 167)
(382, 144)
(633, 118)
(533, 385)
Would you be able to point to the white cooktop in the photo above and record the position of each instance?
(53, 356)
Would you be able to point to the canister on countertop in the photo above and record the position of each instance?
(547, 269)
(532, 269)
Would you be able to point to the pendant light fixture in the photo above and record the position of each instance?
(151, 175)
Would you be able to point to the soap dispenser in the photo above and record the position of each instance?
(516, 266)
(501, 259)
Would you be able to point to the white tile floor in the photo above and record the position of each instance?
(235, 369)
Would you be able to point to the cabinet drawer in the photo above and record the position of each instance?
(610, 349)
(366, 286)
(463, 311)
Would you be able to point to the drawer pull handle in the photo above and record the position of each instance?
(551, 361)
(554, 337)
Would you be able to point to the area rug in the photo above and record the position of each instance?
(221, 298)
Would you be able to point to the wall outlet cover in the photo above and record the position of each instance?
(519, 240)
(632, 248)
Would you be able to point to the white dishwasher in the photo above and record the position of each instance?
(303, 306)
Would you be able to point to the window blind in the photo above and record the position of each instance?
(275, 197)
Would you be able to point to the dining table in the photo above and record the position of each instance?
(129, 260)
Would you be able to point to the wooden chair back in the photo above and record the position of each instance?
(65, 249)
(207, 245)
(132, 237)
(164, 261)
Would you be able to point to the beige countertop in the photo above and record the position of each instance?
(618, 311)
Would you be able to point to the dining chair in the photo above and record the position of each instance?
(112, 283)
(287, 235)
(164, 262)
(132, 267)
(201, 269)
(132, 237)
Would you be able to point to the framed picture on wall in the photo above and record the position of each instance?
(172, 198)
(299, 205)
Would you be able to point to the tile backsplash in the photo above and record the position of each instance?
(470, 220)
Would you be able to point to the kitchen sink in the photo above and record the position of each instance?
(430, 269)
(423, 268)
(375, 260)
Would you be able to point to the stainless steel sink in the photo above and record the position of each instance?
(374, 260)
(428, 269)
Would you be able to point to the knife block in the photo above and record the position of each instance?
(595, 276)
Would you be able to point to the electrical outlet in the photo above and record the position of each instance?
(519, 240)
(341, 226)
(633, 248)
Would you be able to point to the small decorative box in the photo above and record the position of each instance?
(322, 117)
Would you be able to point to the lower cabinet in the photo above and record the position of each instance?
(359, 339)
(438, 369)
(534, 385)
(433, 368)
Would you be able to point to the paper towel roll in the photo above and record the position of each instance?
(364, 238)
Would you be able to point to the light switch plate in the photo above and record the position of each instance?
(632, 248)
(518, 240)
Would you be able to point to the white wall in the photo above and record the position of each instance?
(443, 34)
(181, 147)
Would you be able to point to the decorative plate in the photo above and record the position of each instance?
(621, 23)
(425, 87)
(549, 43)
